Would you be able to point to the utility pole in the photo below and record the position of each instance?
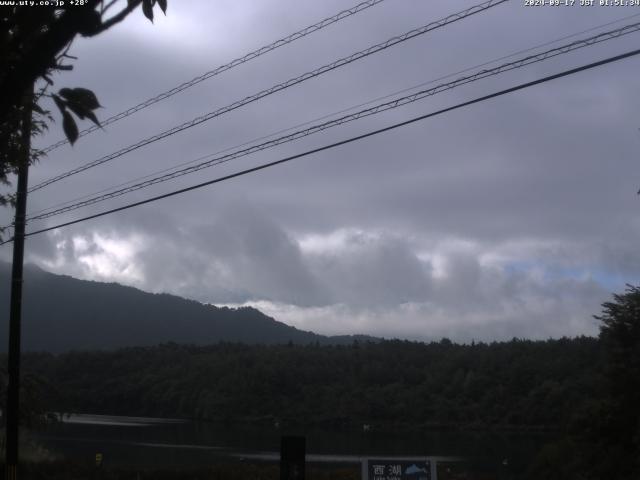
(13, 390)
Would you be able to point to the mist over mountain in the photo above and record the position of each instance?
(61, 313)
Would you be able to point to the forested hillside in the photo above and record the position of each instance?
(61, 313)
(394, 383)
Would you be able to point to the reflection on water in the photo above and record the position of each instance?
(120, 421)
(144, 441)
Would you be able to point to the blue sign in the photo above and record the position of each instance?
(419, 469)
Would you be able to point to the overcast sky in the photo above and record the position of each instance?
(514, 217)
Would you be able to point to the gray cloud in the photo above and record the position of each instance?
(514, 217)
(346, 282)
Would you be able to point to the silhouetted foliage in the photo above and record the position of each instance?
(603, 439)
(618, 435)
(34, 44)
(395, 384)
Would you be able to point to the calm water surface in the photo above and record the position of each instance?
(143, 441)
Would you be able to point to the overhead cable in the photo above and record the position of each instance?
(529, 60)
(276, 88)
(342, 142)
(223, 68)
(329, 115)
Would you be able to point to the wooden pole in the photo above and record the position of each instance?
(13, 390)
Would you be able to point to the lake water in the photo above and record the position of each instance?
(142, 441)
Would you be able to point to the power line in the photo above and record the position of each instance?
(561, 50)
(223, 68)
(281, 86)
(343, 142)
(374, 110)
(323, 117)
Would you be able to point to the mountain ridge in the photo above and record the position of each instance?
(63, 313)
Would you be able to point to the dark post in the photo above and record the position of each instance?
(13, 390)
(292, 461)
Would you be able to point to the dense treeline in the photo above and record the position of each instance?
(394, 383)
(586, 389)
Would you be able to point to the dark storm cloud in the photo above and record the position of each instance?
(253, 255)
(352, 281)
(372, 270)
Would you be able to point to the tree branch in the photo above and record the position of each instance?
(107, 6)
(37, 59)
(132, 5)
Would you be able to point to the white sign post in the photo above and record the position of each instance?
(399, 469)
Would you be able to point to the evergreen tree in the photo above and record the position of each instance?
(619, 433)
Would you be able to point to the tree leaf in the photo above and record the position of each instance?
(87, 98)
(69, 126)
(92, 116)
(163, 6)
(147, 9)
(81, 96)
(61, 104)
(78, 109)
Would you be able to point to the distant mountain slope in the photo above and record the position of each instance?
(61, 313)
